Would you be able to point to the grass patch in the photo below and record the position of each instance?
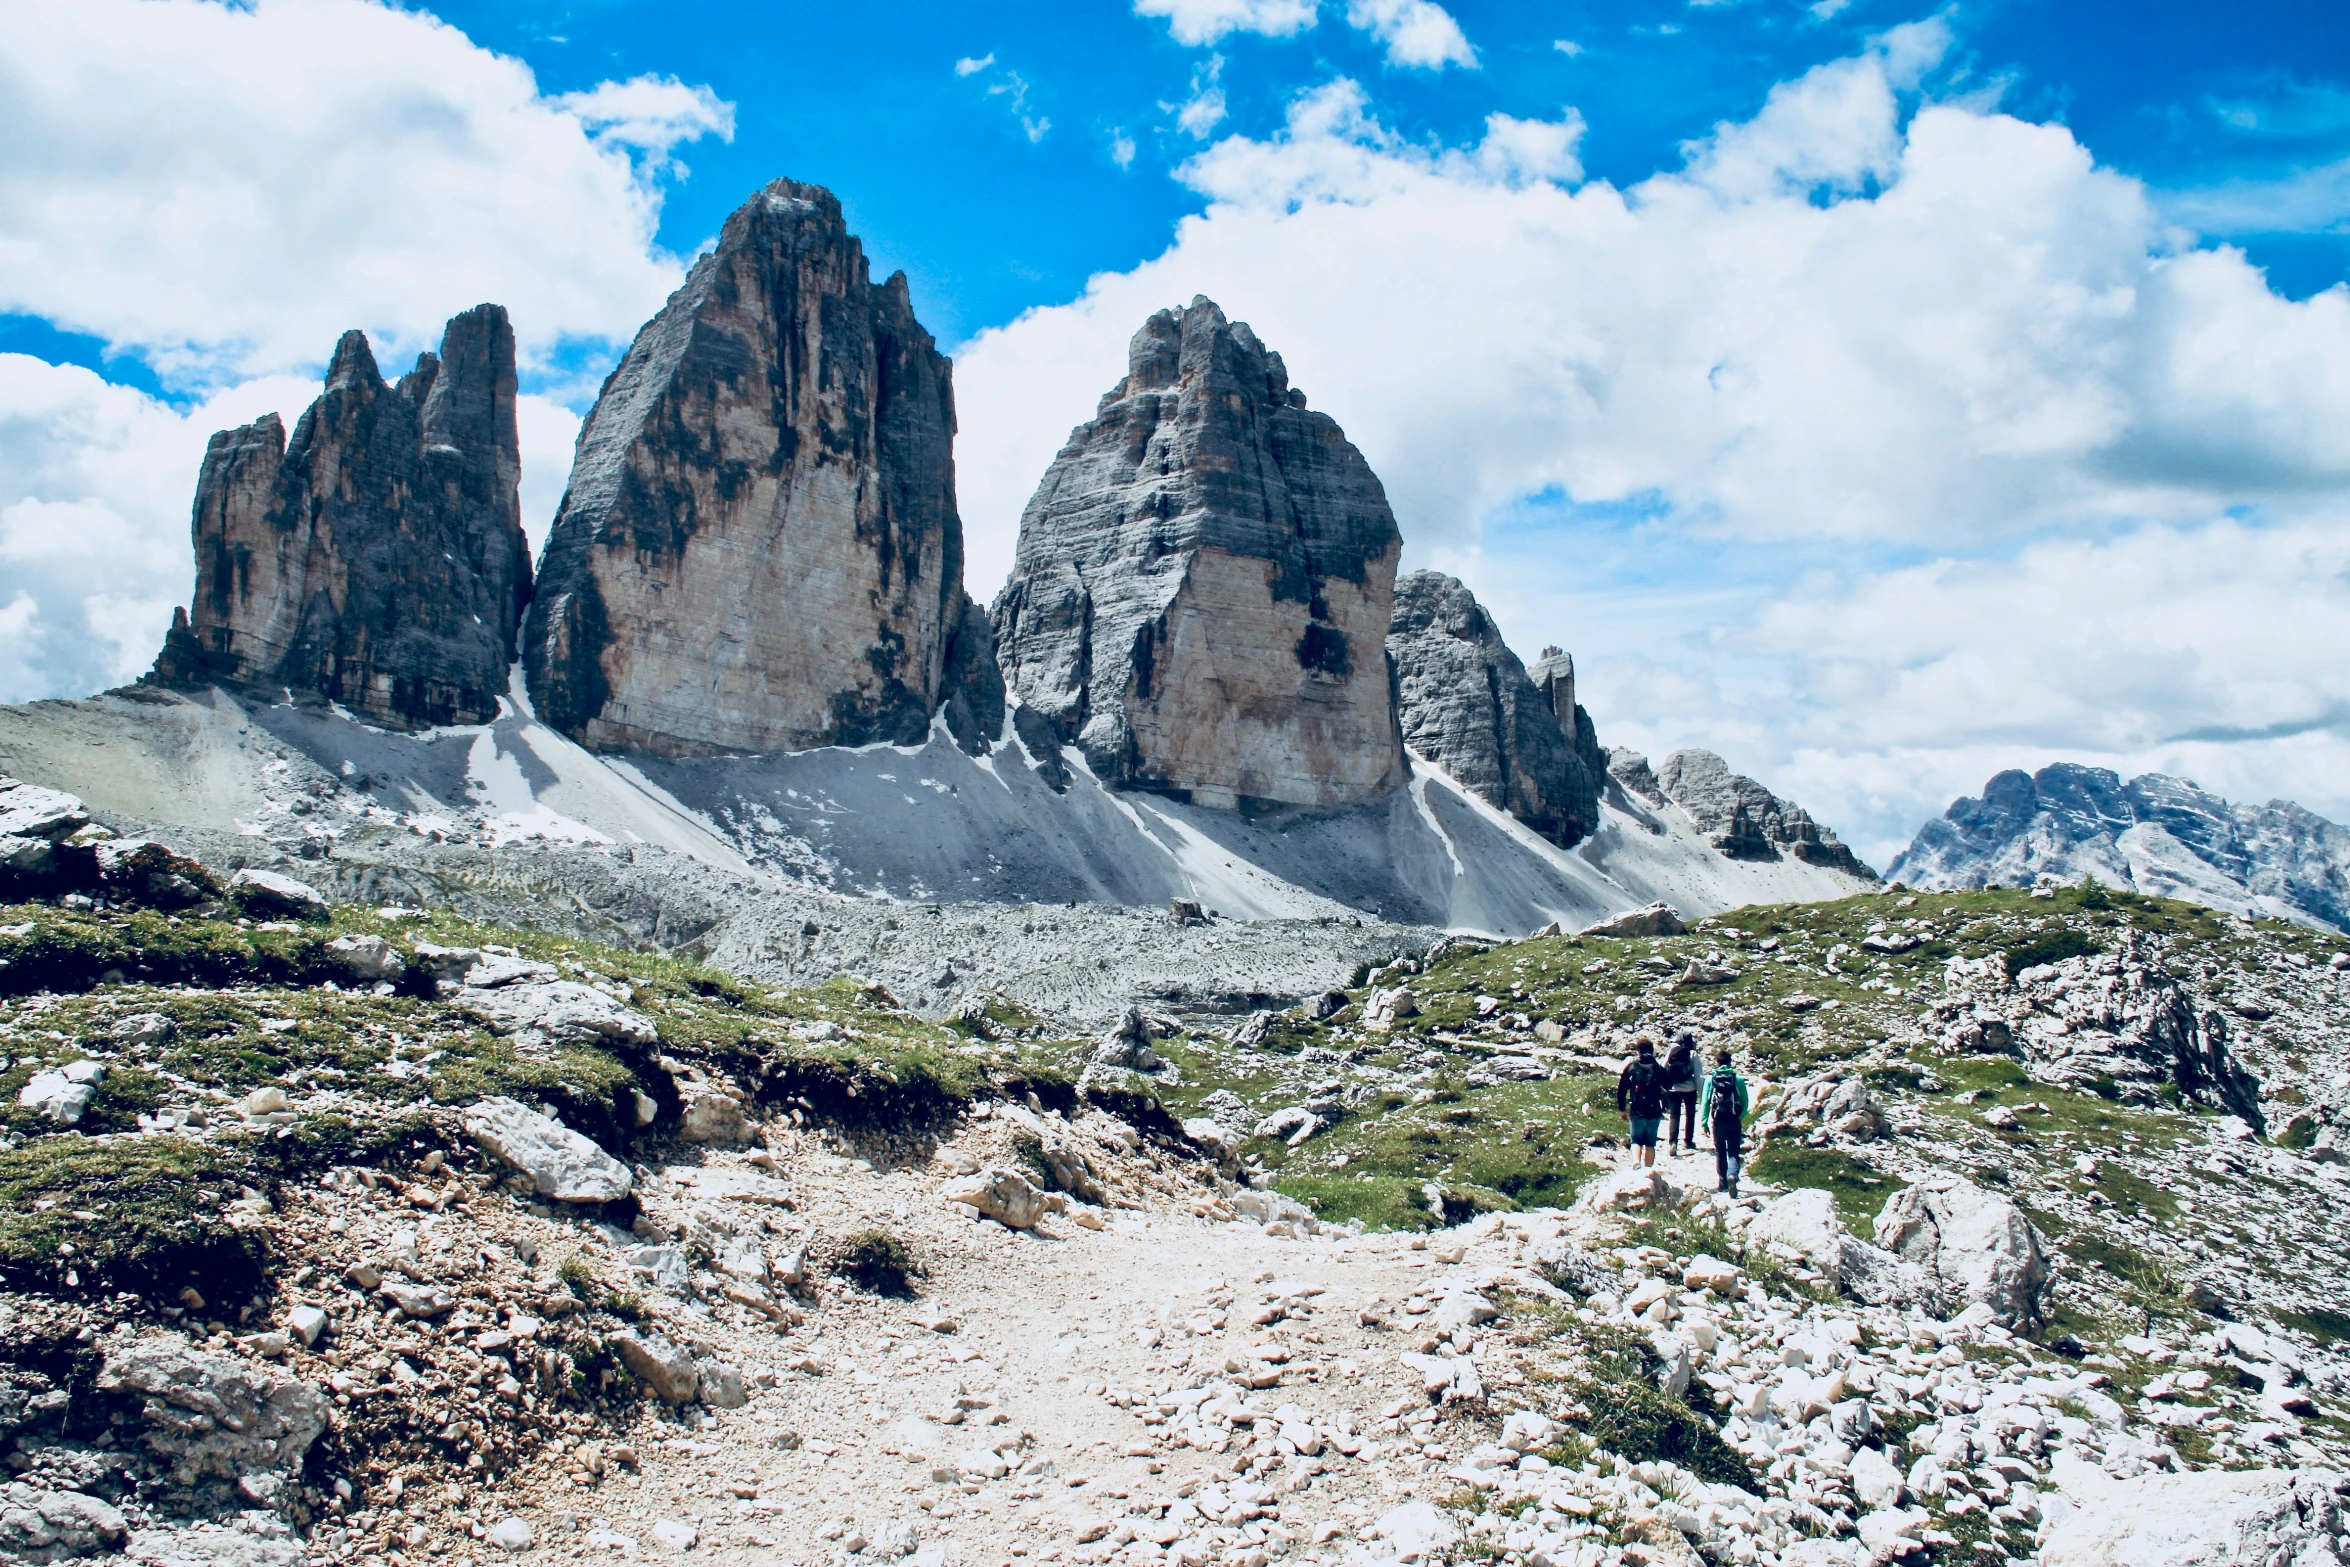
(2053, 947)
(144, 1215)
(1377, 1202)
(878, 1263)
(2326, 1326)
(1622, 1410)
(1859, 1187)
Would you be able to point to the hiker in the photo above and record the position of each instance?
(1681, 1067)
(1640, 1098)
(1724, 1113)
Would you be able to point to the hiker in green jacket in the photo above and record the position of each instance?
(1722, 1107)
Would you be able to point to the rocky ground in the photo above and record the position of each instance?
(334, 1231)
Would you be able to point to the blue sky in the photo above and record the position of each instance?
(1880, 394)
(2227, 106)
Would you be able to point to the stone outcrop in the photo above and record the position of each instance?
(1742, 819)
(377, 558)
(1205, 577)
(217, 1416)
(759, 549)
(1467, 705)
(1977, 1246)
(2153, 834)
(2117, 1024)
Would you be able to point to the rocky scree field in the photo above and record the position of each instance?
(347, 1232)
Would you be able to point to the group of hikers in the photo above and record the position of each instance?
(1653, 1093)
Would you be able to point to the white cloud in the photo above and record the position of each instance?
(1198, 22)
(972, 65)
(650, 115)
(223, 189)
(1567, 47)
(1203, 111)
(1122, 149)
(2217, 650)
(1416, 32)
(1834, 340)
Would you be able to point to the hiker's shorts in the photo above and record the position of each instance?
(1644, 1130)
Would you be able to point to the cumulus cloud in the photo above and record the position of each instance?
(1829, 321)
(222, 189)
(1198, 22)
(1860, 328)
(1415, 32)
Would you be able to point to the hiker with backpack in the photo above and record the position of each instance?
(1723, 1109)
(1640, 1099)
(1681, 1067)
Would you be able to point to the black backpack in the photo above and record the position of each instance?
(1725, 1103)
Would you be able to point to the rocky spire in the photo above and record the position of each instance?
(1201, 597)
(377, 559)
(1554, 676)
(1467, 705)
(759, 548)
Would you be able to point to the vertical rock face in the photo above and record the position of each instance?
(1204, 582)
(1743, 820)
(376, 559)
(759, 548)
(1467, 704)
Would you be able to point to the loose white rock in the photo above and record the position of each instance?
(561, 1163)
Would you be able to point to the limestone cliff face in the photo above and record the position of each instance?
(1201, 597)
(377, 558)
(759, 548)
(1468, 705)
(1742, 819)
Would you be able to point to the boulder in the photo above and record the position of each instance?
(268, 895)
(377, 558)
(1127, 1045)
(1383, 1009)
(31, 812)
(561, 1163)
(1467, 705)
(1658, 919)
(1006, 1196)
(63, 1094)
(1711, 1274)
(1976, 1246)
(1415, 1531)
(1293, 1125)
(712, 1117)
(140, 870)
(212, 1416)
(2207, 1518)
(1271, 1207)
(1876, 1481)
(1845, 1107)
(658, 1363)
(39, 1525)
(370, 959)
(1631, 1190)
(554, 1011)
(1806, 1222)
(759, 549)
(1204, 585)
(509, 1534)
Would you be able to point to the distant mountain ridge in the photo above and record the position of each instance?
(2154, 834)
